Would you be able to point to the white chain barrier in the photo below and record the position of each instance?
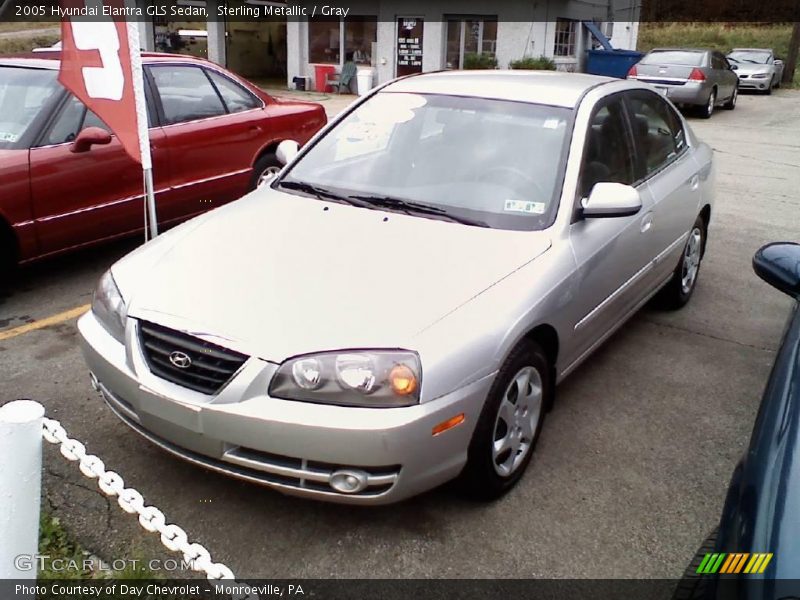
(132, 502)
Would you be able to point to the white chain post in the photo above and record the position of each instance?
(20, 484)
(131, 501)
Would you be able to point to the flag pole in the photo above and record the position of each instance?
(151, 201)
(143, 130)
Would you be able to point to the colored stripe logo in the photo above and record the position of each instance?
(733, 563)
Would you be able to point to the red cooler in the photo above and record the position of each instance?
(320, 72)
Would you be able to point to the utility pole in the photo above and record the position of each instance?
(791, 60)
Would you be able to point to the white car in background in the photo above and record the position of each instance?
(756, 68)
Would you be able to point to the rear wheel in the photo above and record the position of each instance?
(509, 426)
(680, 288)
(708, 109)
(731, 103)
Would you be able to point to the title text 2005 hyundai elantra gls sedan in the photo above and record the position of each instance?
(395, 308)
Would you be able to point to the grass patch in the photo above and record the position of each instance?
(6, 26)
(719, 36)
(26, 44)
(62, 550)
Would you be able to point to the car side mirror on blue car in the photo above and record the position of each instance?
(779, 265)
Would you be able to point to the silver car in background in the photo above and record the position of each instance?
(396, 308)
(756, 68)
(690, 77)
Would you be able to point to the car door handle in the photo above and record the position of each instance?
(647, 222)
(694, 182)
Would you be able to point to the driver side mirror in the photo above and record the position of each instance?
(779, 265)
(89, 137)
(778, 62)
(607, 200)
(286, 151)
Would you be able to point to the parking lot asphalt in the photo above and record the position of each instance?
(630, 472)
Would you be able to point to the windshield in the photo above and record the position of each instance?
(23, 92)
(752, 56)
(492, 163)
(673, 57)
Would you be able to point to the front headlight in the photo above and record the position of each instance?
(759, 75)
(109, 307)
(369, 378)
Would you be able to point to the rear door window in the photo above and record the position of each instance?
(186, 94)
(236, 98)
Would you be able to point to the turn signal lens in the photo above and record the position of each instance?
(403, 380)
(449, 424)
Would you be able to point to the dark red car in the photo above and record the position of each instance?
(65, 184)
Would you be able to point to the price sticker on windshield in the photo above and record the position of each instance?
(524, 206)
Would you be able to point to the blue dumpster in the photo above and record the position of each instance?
(611, 63)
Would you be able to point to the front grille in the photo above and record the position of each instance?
(211, 366)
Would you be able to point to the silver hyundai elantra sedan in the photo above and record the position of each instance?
(396, 307)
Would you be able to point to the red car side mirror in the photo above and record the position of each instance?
(89, 137)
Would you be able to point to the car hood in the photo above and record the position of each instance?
(276, 275)
(750, 68)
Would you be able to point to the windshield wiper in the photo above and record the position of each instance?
(317, 191)
(410, 207)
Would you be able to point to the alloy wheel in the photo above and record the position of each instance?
(517, 421)
(712, 100)
(691, 260)
(267, 175)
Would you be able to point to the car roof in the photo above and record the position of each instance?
(554, 88)
(752, 50)
(53, 61)
(681, 50)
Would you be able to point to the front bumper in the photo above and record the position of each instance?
(294, 447)
(749, 83)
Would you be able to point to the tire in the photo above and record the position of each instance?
(677, 292)
(692, 586)
(494, 467)
(768, 91)
(265, 165)
(731, 103)
(708, 110)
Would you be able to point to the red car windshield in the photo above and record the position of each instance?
(23, 92)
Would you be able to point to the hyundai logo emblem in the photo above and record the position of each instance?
(180, 359)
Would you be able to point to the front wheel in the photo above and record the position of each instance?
(509, 426)
(681, 286)
(264, 171)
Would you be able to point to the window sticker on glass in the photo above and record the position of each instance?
(523, 206)
(552, 123)
(8, 137)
